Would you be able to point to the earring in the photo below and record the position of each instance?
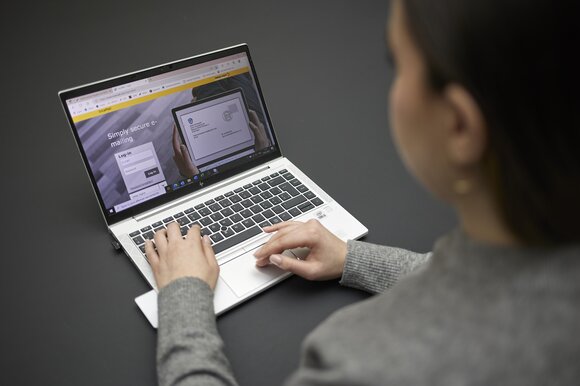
(462, 187)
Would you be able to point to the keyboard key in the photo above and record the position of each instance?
(236, 218)
(215, 207)
(238, 227)
(302, 188)
(205, 211)
(265, 195)
(205, 221)
(255, 190)
(274, 175)
(283, 171)
(225, 203)
(317, 201)
(148, 235)
(246, 213)
(276, 181)
(247, 186)
(238, 238)
(288, 176)
(219, 198)
(275, 220)
(168, 220)
(264, 186)
(205, 232)
(199, 206)
(237, 207)
(226, 222)
(226, 233)
(258, 218)
(266, 205)
(178, 215)
(227, 212)
(188, 211)
(293, 202)
(248, 222)
(306, 207)
(229, 194)
(238, 190)
(257, 182)
(295, 212)
(157, 224)
(309, 195)
(138, 240)
(278, 209)
(245, 194)
(148, 227)
(235, 199)
(158, 229)
(285, 196)
(216, 216)
(275, 190)
(247, 203)
(275, 200)
(136, 233)
(256, 209)
(288, 188)
(209, 202)
(215, 227)
(266, 178)
(216, 237)
(264, 224)
(183, 230)
(194, 216)
(142, 248)
(257, 199)
(268, 213)
(295, 182)
(285, 216)
(183, 221)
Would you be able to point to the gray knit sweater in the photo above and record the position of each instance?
(469, 314)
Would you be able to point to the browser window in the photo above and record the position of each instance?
(138, 150)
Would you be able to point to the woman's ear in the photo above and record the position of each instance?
(467, 139)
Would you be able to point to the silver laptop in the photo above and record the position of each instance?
(192, 142)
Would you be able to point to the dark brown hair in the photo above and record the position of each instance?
(518, 59)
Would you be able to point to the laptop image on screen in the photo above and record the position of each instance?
(192, 142)
(197, 122)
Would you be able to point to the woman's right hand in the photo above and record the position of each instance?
(324, 261)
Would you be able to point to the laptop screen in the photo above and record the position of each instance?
(157, 134)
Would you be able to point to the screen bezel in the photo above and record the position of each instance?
(154, 71)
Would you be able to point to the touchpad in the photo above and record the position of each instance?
(242, 275)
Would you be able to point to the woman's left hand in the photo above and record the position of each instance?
(173, 257)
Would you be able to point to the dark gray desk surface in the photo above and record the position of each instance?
(68, 316)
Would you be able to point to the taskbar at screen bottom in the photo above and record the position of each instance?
(201, 178)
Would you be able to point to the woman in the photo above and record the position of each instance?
(484, 109)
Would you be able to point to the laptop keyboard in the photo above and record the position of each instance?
(241, 213)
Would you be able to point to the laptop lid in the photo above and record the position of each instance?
(151, 136)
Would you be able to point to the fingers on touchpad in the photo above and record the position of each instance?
(242, 275)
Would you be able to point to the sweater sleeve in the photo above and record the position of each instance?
(189, 348)
(374, 268)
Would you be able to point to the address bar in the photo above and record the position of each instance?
(123, 89)
(134, 86)
(204, 70)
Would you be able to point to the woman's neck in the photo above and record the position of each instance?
(480, 219)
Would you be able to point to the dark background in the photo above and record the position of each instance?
(68, 315)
